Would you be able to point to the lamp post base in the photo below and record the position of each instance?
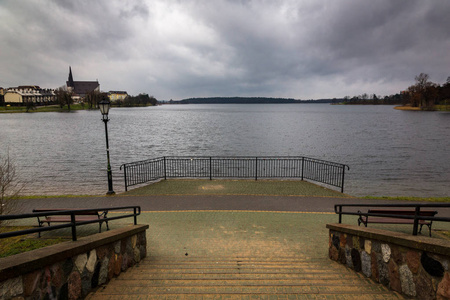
(110, 193)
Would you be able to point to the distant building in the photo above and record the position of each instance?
(80, 89)
(117, 95)
(29, 93)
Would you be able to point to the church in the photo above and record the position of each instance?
(80, 89)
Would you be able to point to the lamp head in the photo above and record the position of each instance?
(104, 106)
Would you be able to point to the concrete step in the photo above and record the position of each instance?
(236, 282)
(248, 296)
(124, 288)
(239, 278)
(229, 276)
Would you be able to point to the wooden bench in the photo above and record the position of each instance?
(80, 216)
(393, 220)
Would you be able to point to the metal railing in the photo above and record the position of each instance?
(134, 212)
(416, 217)
(325, 172)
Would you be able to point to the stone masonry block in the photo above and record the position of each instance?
(366, 263)
(11, 288)
(74, 284)
(368, 246)
(31, 282)
(394, 277)
(92, 260)
(407, 282)
(443, 291)
(386, 252)
(80, 262)
(413, 260)
(424, 286)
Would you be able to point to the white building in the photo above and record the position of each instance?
(29, 93)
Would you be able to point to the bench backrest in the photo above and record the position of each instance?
(402, 212)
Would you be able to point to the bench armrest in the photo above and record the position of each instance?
(361, 218)
(103, 214)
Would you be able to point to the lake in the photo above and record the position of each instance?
(390, 152)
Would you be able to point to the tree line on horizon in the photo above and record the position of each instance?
(139, 100)
(249, 100)
(423, 94)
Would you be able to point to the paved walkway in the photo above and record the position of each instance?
(215, 246)
(239, 255)
(200, 202)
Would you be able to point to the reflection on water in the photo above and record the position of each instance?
(389, 152)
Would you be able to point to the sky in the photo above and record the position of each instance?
(176, 49)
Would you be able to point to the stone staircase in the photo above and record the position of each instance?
(241, 278)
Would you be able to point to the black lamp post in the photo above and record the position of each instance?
(104, 109)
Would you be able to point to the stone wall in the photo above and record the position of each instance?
(70, 270)
(416, 266)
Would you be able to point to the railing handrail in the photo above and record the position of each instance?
(302, 167)
(231, 157)
(136, 212)
(416, 217)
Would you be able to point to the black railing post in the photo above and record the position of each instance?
(210, 168)
(135, 216)
(416, 220)
(340, 214)
(74, 226)
(125, 176)
(342, 182)
(165, 174)
(303, 165)
(256, 168)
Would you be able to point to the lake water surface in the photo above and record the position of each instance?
(389, 152)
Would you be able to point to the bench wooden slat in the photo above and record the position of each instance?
(395, 220)
(80, 216)
(373, 219)
(427, 213)
(67, 218)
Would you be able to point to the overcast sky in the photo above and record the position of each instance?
(180, 49)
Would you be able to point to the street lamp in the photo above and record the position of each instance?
(104, 109)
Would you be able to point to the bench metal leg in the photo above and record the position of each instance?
(41, 224)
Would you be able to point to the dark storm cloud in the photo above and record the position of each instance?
(177, 49)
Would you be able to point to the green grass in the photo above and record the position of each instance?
(422, 199)
(53, 196)
(19, 244)
(235, 187)
(49, 108)
(442, 107)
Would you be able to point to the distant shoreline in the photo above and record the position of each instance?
(247, 100)
(408, 108)
(434, 108)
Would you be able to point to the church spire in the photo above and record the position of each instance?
(70, 81)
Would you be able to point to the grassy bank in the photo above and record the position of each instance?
(54, 196)
(435, 108)
(19, 244)
(48, 108)
(417, 199)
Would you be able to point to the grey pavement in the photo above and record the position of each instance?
(205, 202)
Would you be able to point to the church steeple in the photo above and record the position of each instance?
(70, 81)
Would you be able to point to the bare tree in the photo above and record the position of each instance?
(63, 97)
(10, 185)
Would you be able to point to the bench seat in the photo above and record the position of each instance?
(394, 220)
(80, 216)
